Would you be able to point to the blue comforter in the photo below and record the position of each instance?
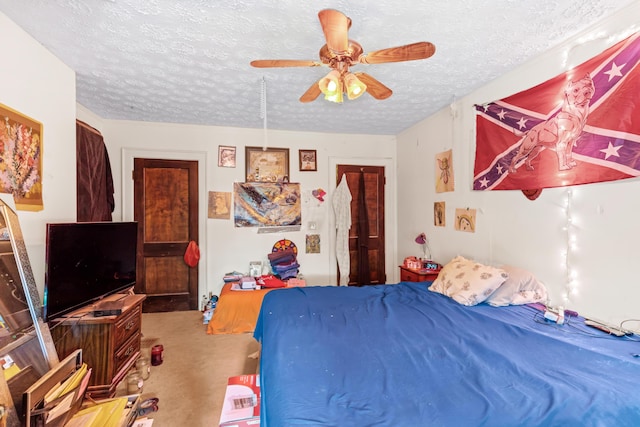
(400, 355)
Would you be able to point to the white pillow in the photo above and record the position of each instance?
(521, 287)
(468, 282)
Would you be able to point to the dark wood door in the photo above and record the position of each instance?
(374, 182)
(166, 208)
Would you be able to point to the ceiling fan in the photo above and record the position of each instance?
(340, 53)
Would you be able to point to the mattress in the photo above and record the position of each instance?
(400, 355)
(236, 312)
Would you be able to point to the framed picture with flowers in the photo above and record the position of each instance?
(21, 158)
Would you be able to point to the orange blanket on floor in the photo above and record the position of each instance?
(236, 311)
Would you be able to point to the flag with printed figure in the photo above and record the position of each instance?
(580, 127)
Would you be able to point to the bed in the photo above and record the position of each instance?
(402, 355)
(236, 311)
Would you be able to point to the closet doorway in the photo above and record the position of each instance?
(374, 184)
(166, 209)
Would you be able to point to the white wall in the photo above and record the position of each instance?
(224, 247)
(512, 229)
(36, 84)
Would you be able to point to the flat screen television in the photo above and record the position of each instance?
(85, 262)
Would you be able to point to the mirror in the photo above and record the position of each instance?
(26, 348)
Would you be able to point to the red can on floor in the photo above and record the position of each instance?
(156, 355)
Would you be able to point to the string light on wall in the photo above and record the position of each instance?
(571, 247)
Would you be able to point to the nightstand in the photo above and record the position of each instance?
(410, 275)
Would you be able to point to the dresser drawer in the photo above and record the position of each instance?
(127, 326)
(408, 276)
(130, 348)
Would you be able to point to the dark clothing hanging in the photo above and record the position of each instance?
(364, 275)
(94, 182)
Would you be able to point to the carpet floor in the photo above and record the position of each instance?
(191, 382)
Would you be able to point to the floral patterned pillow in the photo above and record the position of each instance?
(521, 287)
(468, 282)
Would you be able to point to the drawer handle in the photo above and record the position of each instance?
(129, 351)
(129, 325)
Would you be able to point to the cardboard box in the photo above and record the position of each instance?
(247, 283)
(249, 422)
(241, 406)
(58, 394)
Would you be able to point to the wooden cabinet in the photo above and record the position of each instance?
(110, 344)
(409, 275)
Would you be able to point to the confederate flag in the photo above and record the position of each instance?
(581, 126)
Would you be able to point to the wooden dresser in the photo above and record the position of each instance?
(410, 275)
(110, 344)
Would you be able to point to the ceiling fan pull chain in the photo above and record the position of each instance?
(263, 112)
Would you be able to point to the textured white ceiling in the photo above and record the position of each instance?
(187, 61)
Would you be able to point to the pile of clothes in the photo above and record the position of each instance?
(284, 264)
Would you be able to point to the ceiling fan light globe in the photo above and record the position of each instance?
(334, 97)
(330, 84)
(355, 87)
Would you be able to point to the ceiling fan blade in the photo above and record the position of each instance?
(312, 93)
(335, 26)
(273, 63)
(409, 52)
(374, 87)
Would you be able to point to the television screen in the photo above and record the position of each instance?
(85, 262)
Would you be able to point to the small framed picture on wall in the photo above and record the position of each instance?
(226, 156)
(308, 160)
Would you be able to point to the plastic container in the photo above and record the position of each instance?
(143, 367)
(156, 355)
(134, 383)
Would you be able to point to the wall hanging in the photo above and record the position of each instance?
(219, 205)
(267, 164)
(21, 159)
(266, 204)
(466, 220)
(444, 172)
(439, 216)
(226, 156)
(308, 160)
(576, 128)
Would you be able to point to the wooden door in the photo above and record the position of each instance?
(374, 182)
(166, 208)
